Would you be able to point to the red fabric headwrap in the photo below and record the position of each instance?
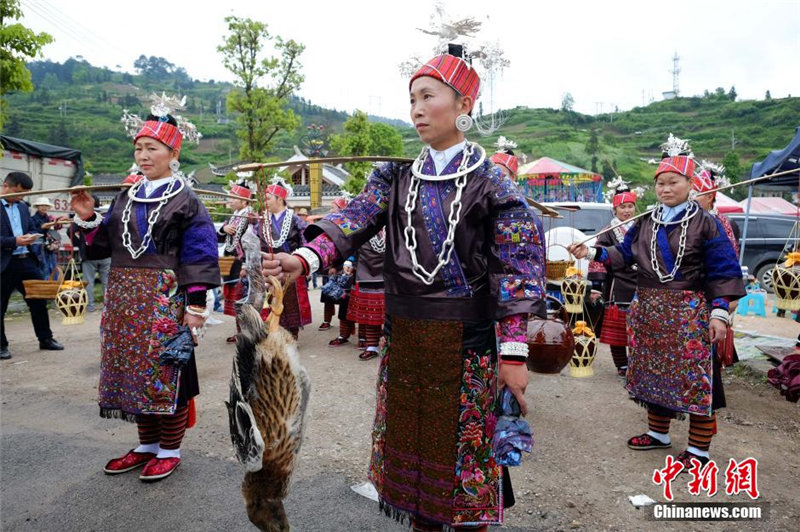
(132, 179)
(702, 182)
(241, 191)
(507, 160)
(452, 71)
(277, 190)
(163, 132)
(681, 164)
(340, 202)
(623, 197)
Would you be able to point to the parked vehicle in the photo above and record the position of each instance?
(766, 239)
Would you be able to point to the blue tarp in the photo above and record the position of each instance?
(780, 161)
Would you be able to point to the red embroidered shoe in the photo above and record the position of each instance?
(231, 339)
(128, 462)
(368, 354)
(686, 459)
(646, 442)
(159, 468)
(325, 326)
(336, 342)
(362, 343)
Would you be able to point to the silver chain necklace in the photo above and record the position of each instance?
(286, 225)
(232, 241)
(410, 233)
(151, 218)
(378, 242)
(691, 211)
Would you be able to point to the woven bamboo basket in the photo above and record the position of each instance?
(556, 270)
(786, 284)
(72, 298)
(574, 290)
(226, 264)
(45, 288)
(580, 365)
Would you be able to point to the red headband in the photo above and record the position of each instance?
(132, 179)
(623, 197)
(163, 132)
(703, 182)
(277, 190)
(681, 164)
(507, 160)
(340, 202)
(242, 192)
(452, 71)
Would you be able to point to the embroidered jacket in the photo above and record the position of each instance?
(497, 266)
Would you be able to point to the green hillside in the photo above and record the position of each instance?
(94, 99)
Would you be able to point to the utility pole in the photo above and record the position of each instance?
(733, 140)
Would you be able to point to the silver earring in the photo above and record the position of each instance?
(174, 165)
(463, 122)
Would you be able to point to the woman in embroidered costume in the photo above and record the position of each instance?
(617, 288)
(688, 275)
(367, 303)
(707, 178)
(281, 230)
(163, 251)
(447, 269)
(231, 233)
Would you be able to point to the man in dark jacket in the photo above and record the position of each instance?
(18, 263)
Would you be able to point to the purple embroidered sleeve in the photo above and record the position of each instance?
(517, 261)
(325, 249)
(513, 328)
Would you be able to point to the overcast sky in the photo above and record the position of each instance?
(612, 53)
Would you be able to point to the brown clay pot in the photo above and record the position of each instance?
(550, 343)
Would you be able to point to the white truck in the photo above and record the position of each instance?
(49, 166)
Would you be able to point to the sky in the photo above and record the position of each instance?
(605, 54)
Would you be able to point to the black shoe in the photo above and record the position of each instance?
(4, 354)
(50, 345)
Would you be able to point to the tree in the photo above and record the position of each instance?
(567, 102)
(732, 93)
(767, 95)
(362, 137)
(17, 45)
(263, 111)
(733, 166)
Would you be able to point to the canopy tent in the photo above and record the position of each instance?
(771, 206)
(777, 161)
(727, 205)
(547, 179)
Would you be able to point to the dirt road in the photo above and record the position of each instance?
(579, 475)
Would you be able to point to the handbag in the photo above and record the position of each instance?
(178, 349)
(333, 290)
(725, 349)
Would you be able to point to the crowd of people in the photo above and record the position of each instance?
(438, 263)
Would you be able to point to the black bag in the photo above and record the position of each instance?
(178, 349)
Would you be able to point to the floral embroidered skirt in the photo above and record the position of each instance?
(367, 305)
(670, 363)
(142, 311)
(432, 454)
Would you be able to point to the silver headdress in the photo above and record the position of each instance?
(162, 105)
(675, 146)
(504, 144)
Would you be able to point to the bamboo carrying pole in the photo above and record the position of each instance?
(726, 187)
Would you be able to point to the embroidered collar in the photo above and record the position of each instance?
(442, 158)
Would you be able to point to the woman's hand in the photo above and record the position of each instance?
(578, 250)
(82, 204)
(281, 265)
(515, 378)
(717, 330)
(195, 324)
(229, 229)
